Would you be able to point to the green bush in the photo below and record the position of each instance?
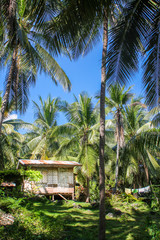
(94, 192)
(154, 232)
(32, 175)
(155, 198)
(2, 192)
(33, 226)
(11, 176)
(10, 205)
(129, 198)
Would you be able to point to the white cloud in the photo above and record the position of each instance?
(11, 117)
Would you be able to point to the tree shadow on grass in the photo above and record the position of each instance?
(82, 224)
(129, 226)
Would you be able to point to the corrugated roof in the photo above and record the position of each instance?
(8, 184)
(48, 163)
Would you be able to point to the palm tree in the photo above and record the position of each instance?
(117, 99)
(40, 141)
(138, 31)
(141, 144)
(26, 51)
(139, 158)
(10, 146)
(10, 140)
(81, 23)
(80, 135)
(136, 118)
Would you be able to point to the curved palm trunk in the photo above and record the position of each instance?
(11, 27)
(8, 88)
(102, 131)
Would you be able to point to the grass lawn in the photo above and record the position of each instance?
(41, 219)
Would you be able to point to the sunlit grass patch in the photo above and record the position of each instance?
(43, 219)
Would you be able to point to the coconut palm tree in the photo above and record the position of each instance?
(10, 146)
(139, 158)
(79, 136)
(141, 144)
(10, 140)
(136, 118)
(82, 22)
(26, 51)
(118, 97)
(40, 141)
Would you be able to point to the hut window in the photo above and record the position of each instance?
(50, 176)
(70, 176)
(44, 179)
(55, 177)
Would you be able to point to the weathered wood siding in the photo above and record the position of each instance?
(54, 181)
(62, 177)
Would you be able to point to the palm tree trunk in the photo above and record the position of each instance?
(8, 88)
(12, 21)
(120, 144)
(1, 162)
(146, 171)
(11, 27)
(102, 131)
(87, 199)
(117, 168)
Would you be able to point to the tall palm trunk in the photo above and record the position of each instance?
(12, 20)
(13, 67)
(86, 146)
(120, 144)
(12, 71)
(102, 131)
(117, 168)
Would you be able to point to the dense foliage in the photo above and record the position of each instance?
(32, 33)
(39, 218)
(11, 176)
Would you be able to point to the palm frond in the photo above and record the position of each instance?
(126, 40)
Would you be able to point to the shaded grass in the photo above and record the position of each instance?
(59, 220)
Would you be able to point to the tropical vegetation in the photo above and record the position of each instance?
(117, 138)
(40, 141)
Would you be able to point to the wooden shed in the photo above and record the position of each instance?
(58, 177)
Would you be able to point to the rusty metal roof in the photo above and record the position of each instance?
(8, 184)
(47, 163)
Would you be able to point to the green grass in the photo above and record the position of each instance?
(42, 219)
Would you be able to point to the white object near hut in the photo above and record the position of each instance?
(58, 177)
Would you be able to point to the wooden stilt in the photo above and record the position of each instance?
(63, 197)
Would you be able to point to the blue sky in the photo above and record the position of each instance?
(84, 74)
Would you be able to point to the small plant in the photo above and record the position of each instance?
(129, 198)
(109, 183)
(154, 232)
(155, 205)
(10, 204)
(94, 192)
(80, 193)
(32, 175)
(2, 193)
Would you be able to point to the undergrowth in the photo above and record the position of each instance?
(39, 218)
